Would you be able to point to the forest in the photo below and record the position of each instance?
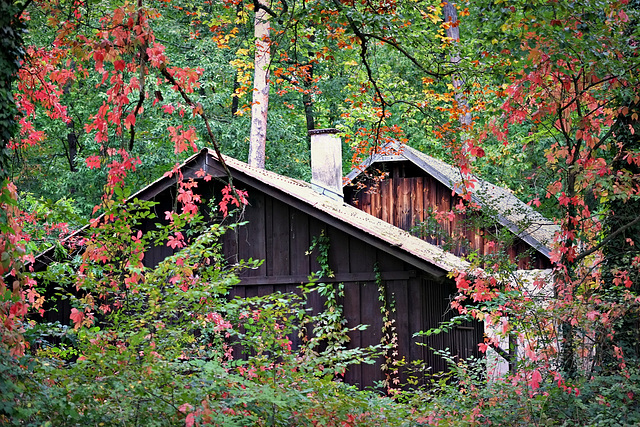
(101, 98)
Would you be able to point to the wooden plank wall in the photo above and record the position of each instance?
(281, 235)
(406, 203)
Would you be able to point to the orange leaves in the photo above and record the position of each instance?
(176, 241)
(202, 174)
(183, 140)
(563, 200)
(187, 78)
(93, 162)
(118, 169)
(535, 380)
(622, 278)
(623, 16)
(476, 151)
(77, 317)
(39, 85)
(187, 198)
(130, 121)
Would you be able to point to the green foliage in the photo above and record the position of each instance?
(166, 346)
(464, 397)
(11, 54)
(48, 221)
(328, 344)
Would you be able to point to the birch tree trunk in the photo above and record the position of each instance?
(260, 102)
(453, 32)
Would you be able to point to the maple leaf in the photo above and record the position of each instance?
(77, 317)
(156, 55)
(18, 309)
(185, 407)
(183, 139)
(130, 121)
(93, 162)
(176, 241)
(119, 65)
(536, 378)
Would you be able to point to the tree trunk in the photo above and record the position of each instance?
(234, 97)
(453, 32)
(260, 103)
(307, 99)
(72, 147)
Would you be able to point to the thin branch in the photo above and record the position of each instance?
(24, 7)
(410, 57)
(143, 60)
(607, 239)
(503, 353)
(257, 6)
(200, 111)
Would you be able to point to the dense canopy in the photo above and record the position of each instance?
(99, 98)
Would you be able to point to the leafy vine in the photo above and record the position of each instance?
(389, 339)
(332, 322)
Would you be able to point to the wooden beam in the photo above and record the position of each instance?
(342, 277)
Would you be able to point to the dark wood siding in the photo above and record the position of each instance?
(281, 234)
(407, 202)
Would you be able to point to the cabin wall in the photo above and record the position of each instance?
(281, 235)
(407, 202)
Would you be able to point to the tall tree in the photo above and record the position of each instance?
(260, 104)
(571, 84)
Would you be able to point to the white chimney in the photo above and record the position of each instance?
(326, 162)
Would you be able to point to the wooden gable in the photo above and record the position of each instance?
(406, 189)
(281, 226)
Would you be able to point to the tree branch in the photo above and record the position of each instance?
(410, 57)
(257, 6)
(503, 353)
(607, 239)
(200, 111)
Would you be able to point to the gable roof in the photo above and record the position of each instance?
(509, 211)
(345, 217)
(301, 195)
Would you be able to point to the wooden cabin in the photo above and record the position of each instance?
(404, 187)
(284, 215)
